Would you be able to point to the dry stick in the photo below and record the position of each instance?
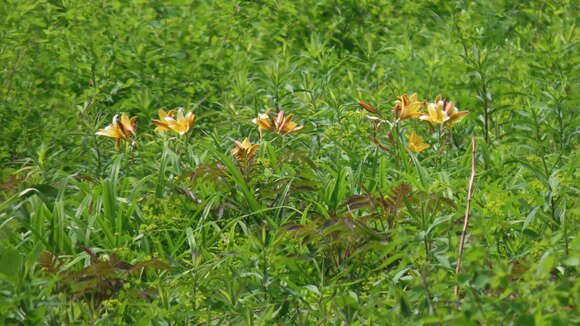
(467, 213)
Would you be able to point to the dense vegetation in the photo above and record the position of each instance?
(349, 214)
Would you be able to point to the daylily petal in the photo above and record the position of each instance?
(457, 117)
(110, 131)
(161, 125)
(127, 124)
(163, 114)
(454, 114)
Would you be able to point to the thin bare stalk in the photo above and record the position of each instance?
(467, 213)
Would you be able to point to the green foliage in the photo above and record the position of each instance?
(338, 223)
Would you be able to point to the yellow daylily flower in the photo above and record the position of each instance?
(407, 107)
(244, 151)
(182, 123)
(175, 120)
(435, 112)
(119, 130)
(114, 130)
(415, 143)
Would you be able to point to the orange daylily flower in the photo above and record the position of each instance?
(415, 143)
(407, 107)
(120, 129)
(282, 124)
(182, 123)
(263, 121)
(175, 120)
(245, 151)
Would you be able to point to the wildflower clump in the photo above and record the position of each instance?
(409, 108)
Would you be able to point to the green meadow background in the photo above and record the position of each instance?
(324, 228)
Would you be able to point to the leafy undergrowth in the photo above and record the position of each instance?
(290, 163)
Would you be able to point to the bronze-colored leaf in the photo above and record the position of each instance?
(359, 205)
(48, 261)
(356, 198)
(102, 269)
(154, 263)
(89, 251)
(83, 287)
(292, 227)
(119, 264)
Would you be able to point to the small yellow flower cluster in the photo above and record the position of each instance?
(494, 208)
(110, 304)
(408, 107)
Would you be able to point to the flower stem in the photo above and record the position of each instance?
(467, 212)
